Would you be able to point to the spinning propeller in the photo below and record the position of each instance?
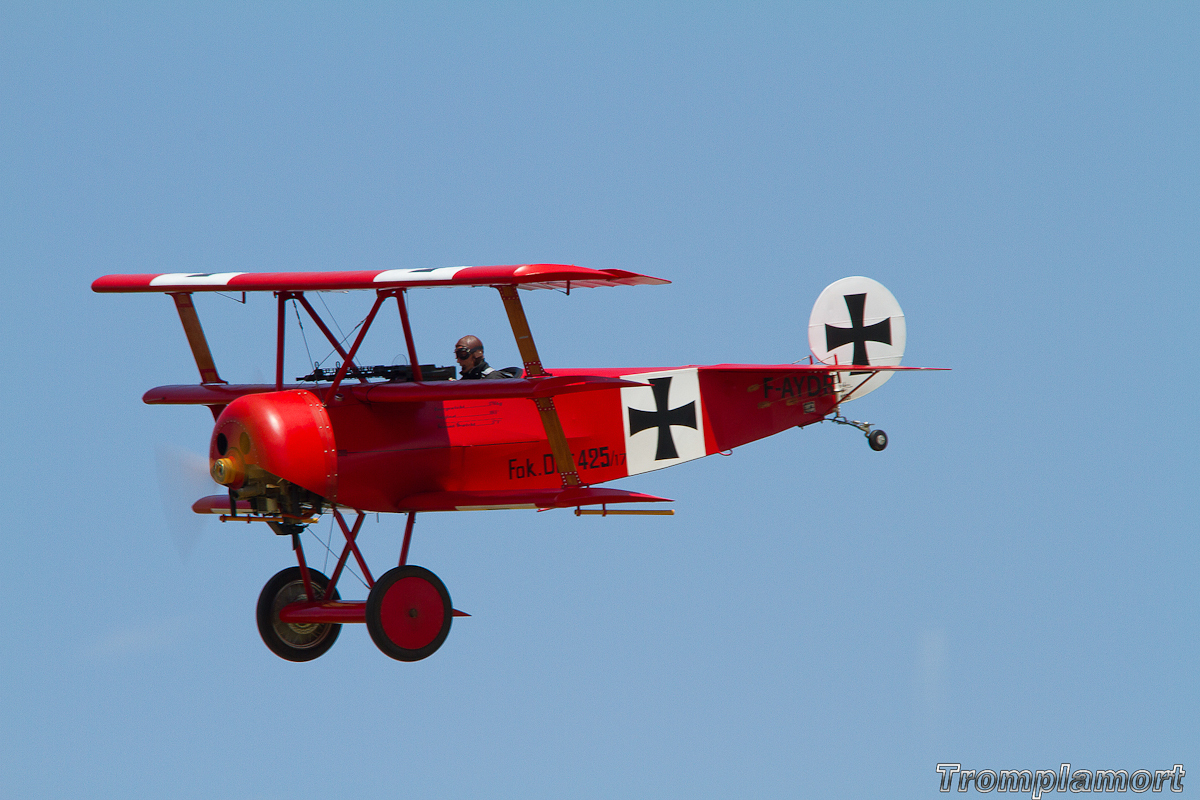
(182, 477)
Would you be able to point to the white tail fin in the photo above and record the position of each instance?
(857, 321)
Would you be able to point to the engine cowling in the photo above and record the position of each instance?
(260, 440)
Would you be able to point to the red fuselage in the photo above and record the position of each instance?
(390, 451)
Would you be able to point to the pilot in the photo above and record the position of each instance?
(469, 352)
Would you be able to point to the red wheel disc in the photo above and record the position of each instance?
(408, 613)
(412, 613)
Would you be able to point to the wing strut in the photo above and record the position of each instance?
(195, 337)
(534, 369)
(402, 304)
(331, 392)
(283, 299)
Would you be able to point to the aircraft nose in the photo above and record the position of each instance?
(277, 435)
(227, 460)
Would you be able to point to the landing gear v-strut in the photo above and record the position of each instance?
(407, 611)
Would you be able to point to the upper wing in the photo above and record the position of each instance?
(526, 276)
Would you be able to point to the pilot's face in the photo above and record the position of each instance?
(468, 358)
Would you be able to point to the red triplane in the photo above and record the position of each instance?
(406, 439)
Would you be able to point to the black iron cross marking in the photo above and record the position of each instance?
(858, 334)
(662, 418)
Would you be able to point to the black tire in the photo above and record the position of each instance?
(877, 439)
(302, 642)
(409, 613)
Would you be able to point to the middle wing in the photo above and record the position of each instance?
(410, 392)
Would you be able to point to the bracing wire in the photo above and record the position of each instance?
(345, 337)
(329, 552)
(300, 322)
(332, 317)
(328, 548)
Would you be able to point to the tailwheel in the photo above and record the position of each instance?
(876, 438)
(294, 642)
(409, 613)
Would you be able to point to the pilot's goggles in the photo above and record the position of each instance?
(462, 353)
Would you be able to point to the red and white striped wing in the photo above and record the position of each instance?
(525, 276)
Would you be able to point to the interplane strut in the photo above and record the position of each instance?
(533, 369)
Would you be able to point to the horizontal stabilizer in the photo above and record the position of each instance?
(821, 368)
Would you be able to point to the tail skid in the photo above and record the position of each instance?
(876, 438)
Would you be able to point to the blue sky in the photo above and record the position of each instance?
(1011, 585)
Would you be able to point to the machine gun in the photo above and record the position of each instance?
(389, 372)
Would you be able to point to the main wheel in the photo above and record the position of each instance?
(877, 439)
(294, 642)
(409, 613)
